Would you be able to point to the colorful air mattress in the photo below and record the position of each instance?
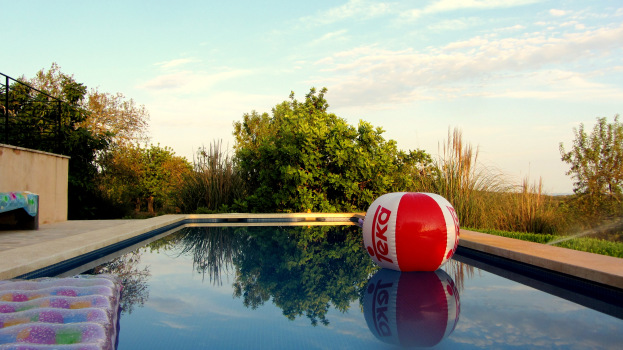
(16, 200)
(60, 313)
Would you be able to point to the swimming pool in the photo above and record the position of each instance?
(310, 286)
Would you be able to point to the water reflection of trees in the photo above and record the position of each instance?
(305, 270)
(459, 272)
(134, 279)
(212, 248)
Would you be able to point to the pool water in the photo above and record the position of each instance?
(316, 288)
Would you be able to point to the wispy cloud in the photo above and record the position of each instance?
(173, 306)
(176, 325)
(359, 9)
(516, 27)
(331, 36)
(564, 325)
(472, 42)
(559, 84)
(189, 81)
(452, 5)
(455, 24)
(176, 63)
(557, 13)
(373, 75)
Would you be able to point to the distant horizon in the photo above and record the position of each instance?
(514, 76)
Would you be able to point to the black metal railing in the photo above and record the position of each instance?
(31, 118)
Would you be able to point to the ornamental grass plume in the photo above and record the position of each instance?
(469, 186)
(214, 184)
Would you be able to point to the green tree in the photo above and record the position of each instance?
(106, 114)
(55, 125)
(114, 114)
(596, 161)
(143, 176)
(303, 158)
(96, 127)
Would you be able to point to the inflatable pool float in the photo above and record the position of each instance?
(60, 313)
(411, 231)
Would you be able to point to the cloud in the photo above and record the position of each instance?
(176, 325)
(188, 305)
(569, 23)
(191, 81)
(512, 28)
(452, 5)
(358, 9)
(332, 36)
(372, 75)
(524, 324)
(176, 63)
(557, 84)
(173, 306)
(473, 42)
(557, 13)
(455, 24)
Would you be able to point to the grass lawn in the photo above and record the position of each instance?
(585, 244)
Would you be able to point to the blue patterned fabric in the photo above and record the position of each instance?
(15, 200)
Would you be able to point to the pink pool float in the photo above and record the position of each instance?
(66, 313)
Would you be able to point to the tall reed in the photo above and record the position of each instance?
(530, 210)
(467, 185)
(214, 184)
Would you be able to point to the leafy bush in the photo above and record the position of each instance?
(303, 158)
(146, 177)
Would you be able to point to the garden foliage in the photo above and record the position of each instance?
(48, 125)
(214, 183)
(303, 158)
(146, 177)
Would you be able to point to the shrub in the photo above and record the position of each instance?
(214, 184)
(304, 158)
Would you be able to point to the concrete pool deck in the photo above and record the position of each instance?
(25, 251)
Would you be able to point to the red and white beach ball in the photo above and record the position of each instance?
(409, 231)
(411, 309)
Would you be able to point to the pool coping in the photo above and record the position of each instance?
(21, 260)
(596, 268)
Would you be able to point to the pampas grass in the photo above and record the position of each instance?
(469, 186)
(483, 197)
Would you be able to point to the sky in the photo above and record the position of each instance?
(515, 76)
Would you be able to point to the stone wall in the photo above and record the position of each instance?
(38, 172)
